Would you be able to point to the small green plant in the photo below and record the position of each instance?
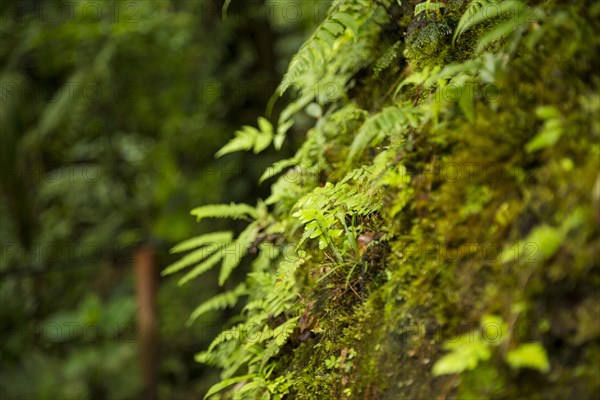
(468, 350)
(343, 361)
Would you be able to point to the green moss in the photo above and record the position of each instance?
(459, 218)
(428, 46)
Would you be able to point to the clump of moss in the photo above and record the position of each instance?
(428, 46)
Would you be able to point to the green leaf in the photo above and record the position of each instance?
(541, 244)
(218, 302)
(467, 351)
(529, 355)
(244, 140)
(234, 253)
(203, 240)
(348, 21)
(497, 33)
(467, 102)
(232, 211)
(479, 11)
(276, 168)
(265, 125)
(326, 37)
(192, 258)
(547, 238)
(546, 138)
(389, 121)
(494, 329)
(201, 268)
(249, 137)
(227, 382)
(283, 331)
(551, 131)
(314, 110)
(262, 141)
(333, 27)
(547, 112)
(428, 6)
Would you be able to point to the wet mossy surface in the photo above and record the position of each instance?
(475, 191)
(440, 226)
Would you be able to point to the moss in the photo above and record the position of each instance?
(428, 46)
(399, 329)
(440, 245)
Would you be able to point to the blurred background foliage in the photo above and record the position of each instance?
(111, 112)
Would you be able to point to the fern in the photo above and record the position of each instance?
(234, 253)
(381, 125)
(315, 71)
(218, 245)
(480, 11)
(217, 242)
(202, 240)
(250, 138)
(203, 267)
(319, 48)
(218, 302)
(230, 252)
(466, 20)
(428, 6)
(232, 211)
(514, 25)
(323, 210)
(225, 383)
(276, 168)
(253, 343)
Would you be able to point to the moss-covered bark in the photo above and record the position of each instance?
(475, 191)
(467, 264)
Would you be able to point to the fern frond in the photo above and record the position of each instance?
(250, 138)
(234, 253)
(318, 49)
(228, 335)
(285, 122)
(218, 302)
(203, 267)
(380, 125)
(232, 211)
(511, 25)
(203, 240)
(427, 6)
(279, 335)
(207, 357)
(479, 11)
(195, 256)
(473, 8)
(225, 383)
(316, 71)
(276, 168)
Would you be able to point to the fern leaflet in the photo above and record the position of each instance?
(250, 138)
(218, 302)
(203, 267)
(232, 210)
(197, 255)
(381, 125)
(203, 240)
